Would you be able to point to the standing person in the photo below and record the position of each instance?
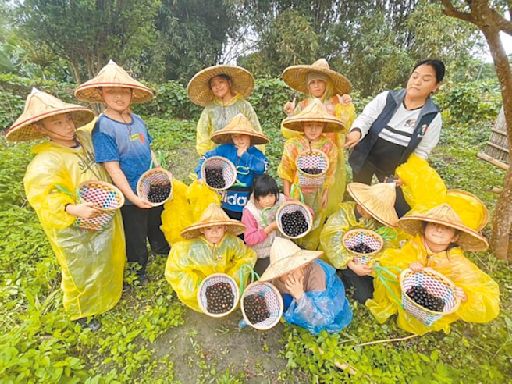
(312, 123)
(318, 81)
(396, 124)
(222, 91)
(91, 262)
(122, 144)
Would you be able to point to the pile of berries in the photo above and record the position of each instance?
(219, 298)
(255, 308)
(421, 296)
(214, 178)
(361, 248)
(159, 192)
(294, 223)
(312, 171)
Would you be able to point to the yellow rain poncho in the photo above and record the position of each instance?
(342, 221)
(483, 295)
(190, 261)
(92, 262)
(216, 116)
(347, 114)
(186, 207)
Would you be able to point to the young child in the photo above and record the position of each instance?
(91, 262)
(314, 297)
(237, 141)
(122, 144)
(313, 121)
(259, 218)
(439, 239)
(212, 247)
(373, 207)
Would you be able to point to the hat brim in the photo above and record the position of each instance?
(468, 240)
(331, 124)
(296, 77)
(220, 137)
(199, 90)
(232, 226)
(26, 130)
(91, 92)
(289, 263)
(390, 219)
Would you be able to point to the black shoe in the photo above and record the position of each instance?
(161, 251)
(93, 324)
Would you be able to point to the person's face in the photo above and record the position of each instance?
(60, 128)
(317, 87)
(439, 236)
(220, 87)
(313, 130)
(422, 82)
(243, 141)
(117, 98)
(363, 212)
(266, 201)
(214, 234)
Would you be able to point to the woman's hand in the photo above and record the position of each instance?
(360, 269)
(141, 203)
(83, 211)
(352, 138)
(295, 284)
(289, 107)
(271, 227)
(344, 99)
(416, 267)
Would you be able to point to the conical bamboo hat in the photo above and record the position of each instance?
(213, 215)
(40, 105)
(296, 77)
(378, 200)
(314, 112)
(112, 75)
(238, 125)
(198, 87)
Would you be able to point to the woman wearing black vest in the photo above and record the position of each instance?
(396, 124)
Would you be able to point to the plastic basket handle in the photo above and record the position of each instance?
(252, 274)
(62, 189)
(387, 278)
(296, 190)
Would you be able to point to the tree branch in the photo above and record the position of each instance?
(450, 10)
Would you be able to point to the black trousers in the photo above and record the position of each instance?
(235, 216)
(261, 265)
(363, 285)
(142, 225)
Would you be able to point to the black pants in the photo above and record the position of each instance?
(363, 285)
(235, 216)
(141, 225)
(261, 265)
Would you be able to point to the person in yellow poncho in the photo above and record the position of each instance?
(222, 90)
(92, 262)
(212, 247)
(318, 81)
(439, 239)
(312, 123)
(372, 209)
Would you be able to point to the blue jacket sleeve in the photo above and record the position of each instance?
(255, 160)
(319, 310)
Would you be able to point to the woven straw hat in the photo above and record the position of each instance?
(296, 77)
(285, 256)
(470, 208)
(314, 112)
(239, 125)
(443, 214)
(378, 200)
(198, 87)
(112, 75)
(40, 105)
(213, 215)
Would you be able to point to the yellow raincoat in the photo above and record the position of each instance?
(92, 262)
(287, 170)
(216, 116)
(483, 294)
(186, 207)
(339, 223)
(190, 261)
(347, 114)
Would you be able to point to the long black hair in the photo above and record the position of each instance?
(264, 185)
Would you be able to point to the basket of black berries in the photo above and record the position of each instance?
(428, 295)
(218, 295)
(363, 244)
(261, 305)
(294, 219)
(155, 186)
(218, 173)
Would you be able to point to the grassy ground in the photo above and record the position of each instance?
(150, 337)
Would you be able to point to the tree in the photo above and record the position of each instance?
(491, 22)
